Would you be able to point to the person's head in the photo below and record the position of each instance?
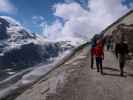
(99, 43)
(120, 26)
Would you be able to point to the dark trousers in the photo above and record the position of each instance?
(108, 47)
(99, 64)
(122, 60)
(122, 69)
(92, 61)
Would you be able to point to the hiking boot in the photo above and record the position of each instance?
(121, 74)
(91, 67)
(102, 73)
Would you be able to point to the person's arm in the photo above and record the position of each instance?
(127, 49)
(102, 53)
(116, 50)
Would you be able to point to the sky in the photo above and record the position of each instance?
(65, 19)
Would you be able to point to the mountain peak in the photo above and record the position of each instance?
(10, 20)
(12, 31)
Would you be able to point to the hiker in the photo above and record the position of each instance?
(108, 45)
(121, 51)
(93, 45)
(111, 46)
(99, 54)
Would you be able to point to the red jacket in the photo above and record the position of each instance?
(99, 51)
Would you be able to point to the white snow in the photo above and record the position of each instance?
(34, 75)
(41, 71)
(73, 41)
(11, 73)
(11, 20)
(57, 82)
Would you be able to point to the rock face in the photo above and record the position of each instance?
(3, 29)
(122, 29)
(124, 32)
(20, 48)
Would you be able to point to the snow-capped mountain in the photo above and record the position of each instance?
(20, 48)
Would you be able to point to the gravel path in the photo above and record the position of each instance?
(76, 81)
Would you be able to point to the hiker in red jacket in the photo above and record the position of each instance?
(99, 54)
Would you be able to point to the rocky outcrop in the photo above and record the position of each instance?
(124, 32)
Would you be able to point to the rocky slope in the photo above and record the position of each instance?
(19, 48)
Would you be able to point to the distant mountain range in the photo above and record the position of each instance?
(19, 48)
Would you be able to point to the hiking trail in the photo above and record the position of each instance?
(76, 81)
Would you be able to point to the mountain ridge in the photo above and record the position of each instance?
(20, 48)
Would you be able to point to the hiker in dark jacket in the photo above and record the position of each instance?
(93, 45)
(121, 51)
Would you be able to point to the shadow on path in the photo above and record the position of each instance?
(130, 74)
(109, 68)
(112, 70)
(112, 74)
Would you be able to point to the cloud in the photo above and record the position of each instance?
(79, 22)
(53, 31)
(131, 5)
(69, 11)
(6, 6)
(39, 22)
(38, 17)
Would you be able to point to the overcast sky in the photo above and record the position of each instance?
(65, 19)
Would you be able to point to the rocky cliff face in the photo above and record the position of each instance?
(20, 48)
(121, 29)
(124, 32)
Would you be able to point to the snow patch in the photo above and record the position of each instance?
(10, 20)
(41, 71)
